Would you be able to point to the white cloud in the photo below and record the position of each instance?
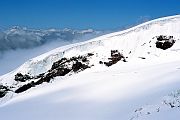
(17, 45)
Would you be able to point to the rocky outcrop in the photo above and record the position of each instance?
(22, 78)
(25, 87)
(59, 68)
(115, 57)
(3, 90)
(165, 42)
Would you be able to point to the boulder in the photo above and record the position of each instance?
(3, 91)
(25, 87)
(77, 66)
(21, 78)
(164, 42)
(115, 57)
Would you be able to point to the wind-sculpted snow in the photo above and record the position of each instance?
(168, 102)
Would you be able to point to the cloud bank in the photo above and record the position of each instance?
(23, 38)
(17, 44)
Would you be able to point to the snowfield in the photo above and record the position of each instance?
(145, 85)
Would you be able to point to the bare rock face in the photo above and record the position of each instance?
(79, 66)
(21, 78)
(59, 68)
(25, 87)
(115, 57)
(3, 91)
(164, 42)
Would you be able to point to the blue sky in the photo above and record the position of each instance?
(82, 14)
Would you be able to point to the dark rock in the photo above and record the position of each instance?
(48, 77)
(100, 62)
(40, 81)
(84, 59)
(45, 78)
(25, 87)
(77, 66)
(80, 57)
(171, 105)
(22, 78)
(164, 42)
(108, 63)
(115, 57)
(148, 113)
(142, 57)
(3, 91)
(59, 68)
(73, 58)
(59, 63)
(84, 66)
(62, 71)
(124, 60)
(90, 54)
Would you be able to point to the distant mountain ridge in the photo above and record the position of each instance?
(24, 38)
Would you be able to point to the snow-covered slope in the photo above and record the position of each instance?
(136, 86)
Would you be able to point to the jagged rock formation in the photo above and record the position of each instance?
(25, 87)
(3, 91)
(21, 78)
(59, 68)
(165, 42)
(115, 57)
